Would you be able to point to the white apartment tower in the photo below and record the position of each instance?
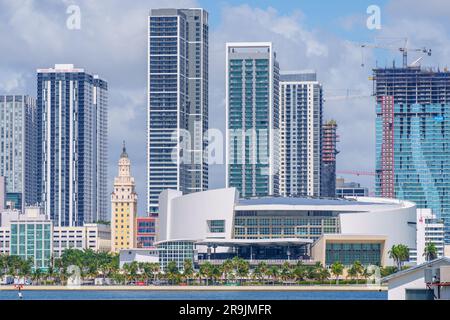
(300, 134)
(177, 116)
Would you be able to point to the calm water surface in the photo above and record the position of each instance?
(193, 295)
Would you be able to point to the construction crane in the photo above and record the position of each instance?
(348, 95)
(356, 173)
(403, 49)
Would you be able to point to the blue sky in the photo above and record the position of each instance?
(320, 35)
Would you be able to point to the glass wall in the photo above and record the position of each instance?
(177, 251)
(348, 253)
(267, 225)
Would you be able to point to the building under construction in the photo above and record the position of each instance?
(413, 137)
(329, 152)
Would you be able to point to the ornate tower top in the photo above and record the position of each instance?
(124, 151)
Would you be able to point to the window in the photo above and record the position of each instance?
(216, 226)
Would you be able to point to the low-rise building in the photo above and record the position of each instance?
(348, 248)
(139, 255)
(96, 237)
(427, 281)
(146, 232)
(32, 235)
(350, 189)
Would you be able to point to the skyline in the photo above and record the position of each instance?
(323, 46)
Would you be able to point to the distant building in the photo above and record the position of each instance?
(31, 235)
(329, 152)
(31, 229)
(301, 109)
(146, 232)
(216, 225)
(350, 189)
(2, 194)
(123, 207)
(127, 256)
(252, 118)
(178, 55)
(72, 144)
(429, 230)
(96, 237)
(18, 154)
(412, 137)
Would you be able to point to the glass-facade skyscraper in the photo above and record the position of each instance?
(72, 144)
(413, 137)
(252, 118)
(18, 149)
(177, 102)
(301, 109)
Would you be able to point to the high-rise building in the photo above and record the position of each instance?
(413, 137)
(18, 149)
(252, 118)
(177, 102)
(2, 193)
(300, 134)
(329, 152)
(72, 144)
(123, 207)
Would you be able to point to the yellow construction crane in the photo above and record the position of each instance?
(403, 49)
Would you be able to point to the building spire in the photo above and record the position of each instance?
(124, 151)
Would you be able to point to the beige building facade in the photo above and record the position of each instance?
(123, 207)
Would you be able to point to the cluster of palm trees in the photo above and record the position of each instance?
(238, 271)
(104, 265)
(400, 254)
(90, 265)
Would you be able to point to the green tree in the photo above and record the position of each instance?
(227, 268)
(399, 253)
(430, 252)
(337, 269)
(273, 272)
(260, 270)
(188, 270)
(206, 271)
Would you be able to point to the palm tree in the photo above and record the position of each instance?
(337, 269)
(188, 270)
(260, 270)
(273, 272)
(172, 272)
(430, 252)
(205, 271)
(227, 268)
(352, 272)
(242, 270)
(285, 271)
(37, 275)
(359, 269)
(399, 253)
(299, 272)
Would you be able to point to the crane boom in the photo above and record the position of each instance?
(404, 50)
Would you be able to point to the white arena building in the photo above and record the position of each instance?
(215, 225)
